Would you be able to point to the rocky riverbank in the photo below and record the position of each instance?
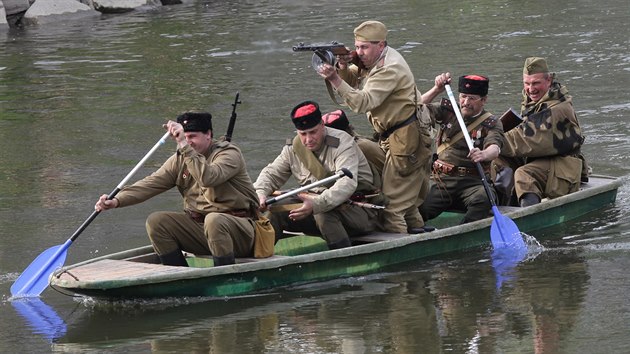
(19, 13)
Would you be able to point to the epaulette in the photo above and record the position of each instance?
(332, 141)
(223, 144)
(289, 141)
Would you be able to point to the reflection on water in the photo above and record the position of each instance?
(81, 103)
(427, 307)
(42, 318)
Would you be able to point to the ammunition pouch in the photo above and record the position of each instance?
(442, 167)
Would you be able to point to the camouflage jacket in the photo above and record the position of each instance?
(550, 127)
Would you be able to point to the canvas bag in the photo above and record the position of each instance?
(264, 237)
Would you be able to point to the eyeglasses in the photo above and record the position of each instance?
(464, 97)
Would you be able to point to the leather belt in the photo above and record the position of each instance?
(464, 171)
(448, 169)
(384, 135)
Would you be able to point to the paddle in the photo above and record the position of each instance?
(339, 174)
(34, 279)
(503, 233)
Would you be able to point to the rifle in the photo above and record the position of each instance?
(335, 47)
(230, 129)
(327, 52)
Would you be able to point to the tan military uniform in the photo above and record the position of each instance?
(387, 94)
(549, 139)
(217, 192)
(333, 218)
(373, 153)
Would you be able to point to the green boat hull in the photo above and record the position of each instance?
(303, 259)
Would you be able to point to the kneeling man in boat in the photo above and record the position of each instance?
(219, 199)
(314, 154)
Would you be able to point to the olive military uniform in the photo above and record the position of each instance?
(219, 200)
(456, 183)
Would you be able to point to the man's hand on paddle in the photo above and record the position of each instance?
(104, 204)
(177, 132)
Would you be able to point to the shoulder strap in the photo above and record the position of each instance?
(460, 135)
(309, 160)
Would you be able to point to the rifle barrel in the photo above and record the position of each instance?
(230, 130)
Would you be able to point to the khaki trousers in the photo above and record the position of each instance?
(333, 226)
(405, 178)
(219, 235)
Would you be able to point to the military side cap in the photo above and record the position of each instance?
(370, 31)
(474, 85)
(336, 119)
(195, 121)
(306, 115)
(535, 65)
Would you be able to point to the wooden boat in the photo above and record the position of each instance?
(136, 273)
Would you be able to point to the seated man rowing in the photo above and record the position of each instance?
(456, 183)
(314, 154)
(219, 198)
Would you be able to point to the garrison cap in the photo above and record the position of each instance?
(336, 119)
(535, 65)
(370, 31)
(474, 85)
(306, 115)
(195, 121)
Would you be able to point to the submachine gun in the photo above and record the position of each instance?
(326, 53)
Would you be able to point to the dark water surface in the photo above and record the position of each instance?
(81, 103)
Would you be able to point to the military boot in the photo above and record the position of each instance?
(223, 260)
(340, 244)
(529, 199)
(175, 258)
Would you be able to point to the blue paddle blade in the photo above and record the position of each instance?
(34, 279)
(41, 318)
(504, 233)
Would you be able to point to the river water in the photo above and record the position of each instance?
(81, 103)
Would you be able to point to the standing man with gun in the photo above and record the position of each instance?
(386, 91)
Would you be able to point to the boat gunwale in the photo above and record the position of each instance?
(186, 273)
